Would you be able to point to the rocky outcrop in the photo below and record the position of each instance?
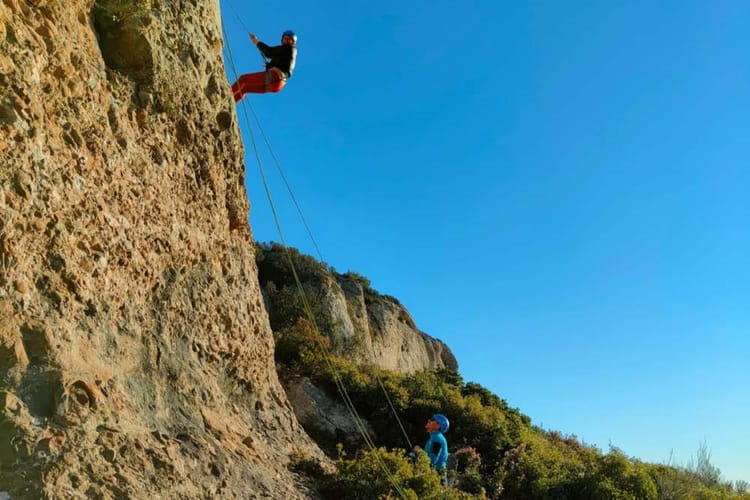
(324, 416)
(361, 324)
(382, 331)
(136, 359)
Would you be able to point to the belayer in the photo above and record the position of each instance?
(279, 68)
(436, 446)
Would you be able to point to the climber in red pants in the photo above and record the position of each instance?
(279, 68)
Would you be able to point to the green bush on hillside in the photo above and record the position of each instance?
(382, 474)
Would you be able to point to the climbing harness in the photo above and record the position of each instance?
(270, 73)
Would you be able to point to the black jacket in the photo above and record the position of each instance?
(281, 56)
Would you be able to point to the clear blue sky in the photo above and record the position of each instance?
(558, 190)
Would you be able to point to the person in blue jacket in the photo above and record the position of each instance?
(437, 446)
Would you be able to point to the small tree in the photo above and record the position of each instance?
(741, 487)
(701, 466)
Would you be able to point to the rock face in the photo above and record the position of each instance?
(324, 416)
(362, 325)
(136, 358)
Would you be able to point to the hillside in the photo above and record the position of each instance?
(496, 451)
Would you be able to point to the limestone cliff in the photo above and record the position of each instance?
(362, 324)
(136, 358)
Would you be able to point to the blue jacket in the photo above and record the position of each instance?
(437, 449)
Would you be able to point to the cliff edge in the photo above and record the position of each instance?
(361, 324)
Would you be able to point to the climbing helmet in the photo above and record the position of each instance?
(442, 421)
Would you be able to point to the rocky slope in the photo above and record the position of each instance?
(136, 358)
(362, 324)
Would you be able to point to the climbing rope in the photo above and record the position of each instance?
(242, 23)
(319, 253)
(280, 169)
(286, 183)
(320, 257)
(237, 16)
(306, 305)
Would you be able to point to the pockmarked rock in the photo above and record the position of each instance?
(135, 351)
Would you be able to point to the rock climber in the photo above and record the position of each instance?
(437, 446)
(279, 67)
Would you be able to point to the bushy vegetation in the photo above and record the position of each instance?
(496, 451)
(380, 473)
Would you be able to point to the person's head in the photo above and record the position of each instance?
(438, 422)
(289, 38)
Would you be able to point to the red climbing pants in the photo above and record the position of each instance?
(258, 83)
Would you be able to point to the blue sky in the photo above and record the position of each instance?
(558, 190)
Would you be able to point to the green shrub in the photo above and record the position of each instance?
(378, 474)
(619, 477)
(306, 465)
(358, 278)
(465, 473)
(300, 349)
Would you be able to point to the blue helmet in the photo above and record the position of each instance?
(442, 421)
(290, 34)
